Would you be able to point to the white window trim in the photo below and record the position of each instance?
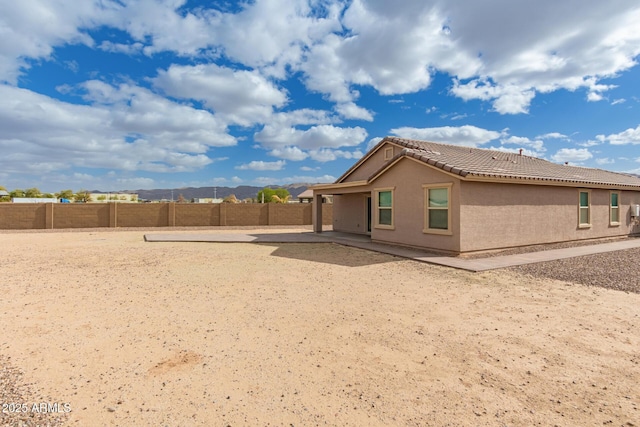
(611, 208)
(388, 153)
(588, 224)
(426, 229)
(376, 201)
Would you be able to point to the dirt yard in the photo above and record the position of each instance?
(123, 332)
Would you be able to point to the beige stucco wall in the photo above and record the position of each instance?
(407, 176)
(497, 215)
(352, 208)
(372, 164)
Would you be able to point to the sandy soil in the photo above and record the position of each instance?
(201, 334)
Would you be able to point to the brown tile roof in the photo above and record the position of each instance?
(492, 164)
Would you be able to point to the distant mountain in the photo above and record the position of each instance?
(241, 192)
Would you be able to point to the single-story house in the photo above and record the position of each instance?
(307, 197)
(459, 199)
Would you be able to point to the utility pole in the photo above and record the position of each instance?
(215, 192)
(172, 195)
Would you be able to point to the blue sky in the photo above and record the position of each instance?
(122, 94)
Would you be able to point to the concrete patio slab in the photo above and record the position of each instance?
(364, 242)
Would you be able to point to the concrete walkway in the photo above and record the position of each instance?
(364, 242)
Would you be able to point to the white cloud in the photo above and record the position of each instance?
(629, 136)
(124, 128)
(588, 143)
(470, 136)
(536, 147)
(349, 110)
(259, 165)
(309, 169)
(240, 97)
(508, 99)
(289, 153)
(618, 101)
(552, 135)
(605, 161)
(525, 151)
(572, 155)
(315, 137)
(594, 97)
(326, 155)
(554, 50)
(374, 53)
(33, 28)
(303, 179)
(373, 142)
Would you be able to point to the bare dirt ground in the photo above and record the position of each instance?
(125, 332)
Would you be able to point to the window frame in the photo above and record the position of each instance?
(611, 208)
(588, 208)
(376, 195)
(426, 187)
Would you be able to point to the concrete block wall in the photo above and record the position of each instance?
(245, 214)
(46, 216)
(80, 216)
(142, 214)
(22, 216)
(191, 215)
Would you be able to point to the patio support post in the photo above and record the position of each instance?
(316, 213)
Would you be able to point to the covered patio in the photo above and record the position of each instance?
(354, 198)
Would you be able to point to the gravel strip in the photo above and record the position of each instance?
(21, 405)
(544, 247)
(619, 270)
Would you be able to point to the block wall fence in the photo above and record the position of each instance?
(25, 216)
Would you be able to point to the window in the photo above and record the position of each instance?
(384, 208)
(584, 209)
(614, 208)
(437, 208)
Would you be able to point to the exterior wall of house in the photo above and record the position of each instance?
(372, 164)
(408, 177)
(352, 213)
(495, 215)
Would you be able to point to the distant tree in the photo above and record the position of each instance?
(4, 198)
(65, 194)
(248, 200)
(268, 193)
(48, 196)
(231, 198)
(277, 199)
(82, 196)
(264, 195)
(16, 193)
(101, 198)
(32, 192)
(181, 199)
(134, 198)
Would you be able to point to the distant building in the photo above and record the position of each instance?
(114, 198)
(206, 200)
(307, 197)
(34, 200)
